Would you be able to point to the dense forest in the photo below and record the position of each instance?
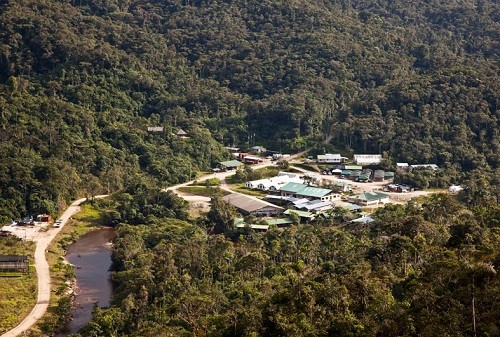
(428, 268)
(81, 80)
(416, 81)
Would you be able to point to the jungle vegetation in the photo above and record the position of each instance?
(416, 81)
(81, 80)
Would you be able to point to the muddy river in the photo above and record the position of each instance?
(91, 257)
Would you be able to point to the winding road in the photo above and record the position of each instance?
(43, 271)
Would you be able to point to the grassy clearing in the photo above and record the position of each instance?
(210, 182)
(61, 272)
(310, 167)
(203, 191)
(269, 171)
(17, 290)
(240, 187)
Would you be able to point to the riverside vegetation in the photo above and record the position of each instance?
(416, 81)
(423, 269)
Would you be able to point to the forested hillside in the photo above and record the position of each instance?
(81, 80)
(426, 269)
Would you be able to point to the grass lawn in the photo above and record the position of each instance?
(203, 191)
(240, 187)
(309, 167)
(17, 290)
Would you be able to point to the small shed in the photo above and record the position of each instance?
(14, 263)
(378, 175)
(181, 134)
(230, 164)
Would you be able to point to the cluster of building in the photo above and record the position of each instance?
(358, 159)
(288, 193)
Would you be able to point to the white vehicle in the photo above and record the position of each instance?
(58, 223)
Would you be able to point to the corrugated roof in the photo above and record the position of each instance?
(370, 196)
(292, 187)
(353, 167)
(314, 192)
(248, 203)
(13, 258)
(305, 190)
(331, 156)
(231, 163)
(283, 221)
(302, 214)
(253, 226)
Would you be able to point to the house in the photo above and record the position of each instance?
(17, 263)
(402, 166)
(367, 159)
(455, 189)
(155, 128)
(248, 205)
(388, 175)
(378, 175)
(330, 158)
(233, 149)
(369, 198)
(353, 167)
(299, 190)
(240, 223)
(230, 165)
(275, 183)
(181, 134)
(302, 214)
(258, 149)
(314, 206)
(282, 222)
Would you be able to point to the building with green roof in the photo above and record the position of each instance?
(230, 164)
(298, 190)
(302, 214)
(369, 198)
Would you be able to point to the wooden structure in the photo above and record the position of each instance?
(14, 263)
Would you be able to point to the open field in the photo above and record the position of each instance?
(17, 290)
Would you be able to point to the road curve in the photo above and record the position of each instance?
(43, 272)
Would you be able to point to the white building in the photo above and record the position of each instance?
(367, 159)
(330, 158)
(274, 184)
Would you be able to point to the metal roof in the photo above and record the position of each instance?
(305, 190)
(302, 214)
(231, 163)
(283, 221)
(252, 226)
(13, 258)
(353, 167)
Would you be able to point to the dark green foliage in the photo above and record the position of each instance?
(80, 82)
(412, 273)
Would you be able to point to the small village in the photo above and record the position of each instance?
(312, 189)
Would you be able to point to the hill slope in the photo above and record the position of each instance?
(81, 80)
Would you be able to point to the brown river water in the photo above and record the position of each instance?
(91, 257)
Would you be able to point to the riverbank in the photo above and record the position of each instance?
(90, 257)
(62, 273)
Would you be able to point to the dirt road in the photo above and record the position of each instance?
(43, 239)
